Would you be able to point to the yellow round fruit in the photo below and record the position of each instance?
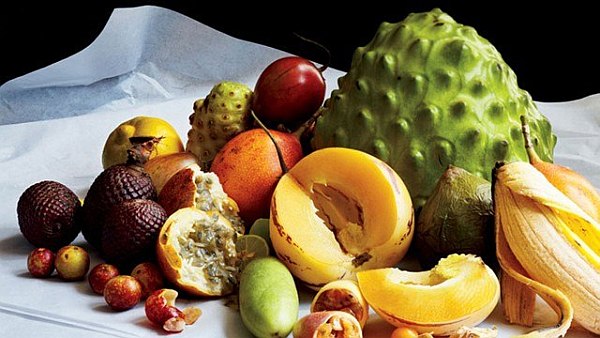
(141, 128)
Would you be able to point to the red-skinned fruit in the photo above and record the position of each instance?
(160, 309)
(122, 292)
(288, 91)
(149, 276)
(40, 262)
(100, 275)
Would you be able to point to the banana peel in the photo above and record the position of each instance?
(547, 243)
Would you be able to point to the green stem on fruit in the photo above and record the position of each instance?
(284, 168)
(322, 47)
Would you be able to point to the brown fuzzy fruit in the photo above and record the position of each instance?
(131, 230)
(114, 185)
(47, 214)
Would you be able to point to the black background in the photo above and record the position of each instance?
(552, 47)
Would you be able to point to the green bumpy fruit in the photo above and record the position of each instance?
(428, 92)
(268, 298)
(222, 114)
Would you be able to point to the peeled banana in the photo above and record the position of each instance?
(548, 243)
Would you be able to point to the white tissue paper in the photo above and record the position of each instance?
(156, 62)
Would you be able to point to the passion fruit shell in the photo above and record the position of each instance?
(196, 252)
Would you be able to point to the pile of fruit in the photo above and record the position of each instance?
(428, 143)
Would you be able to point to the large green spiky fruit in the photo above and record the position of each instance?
(222, 114)
(427, 92)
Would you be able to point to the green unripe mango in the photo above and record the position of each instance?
(268, 298)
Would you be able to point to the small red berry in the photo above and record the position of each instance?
(100, 275)
(122, 292)
(40, 262)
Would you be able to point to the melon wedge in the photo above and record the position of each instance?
(459, 291)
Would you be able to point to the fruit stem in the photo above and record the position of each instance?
(309, 124)
(322, 47)
(284, 168)
(531, 154)
(140, 152)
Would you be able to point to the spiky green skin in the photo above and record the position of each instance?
(427, 92)
(224, 113)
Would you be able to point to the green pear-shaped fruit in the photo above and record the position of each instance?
(458, 217)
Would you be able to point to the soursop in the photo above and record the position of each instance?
(222, 114)
(428, 92)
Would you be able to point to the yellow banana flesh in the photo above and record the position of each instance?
(543, 234)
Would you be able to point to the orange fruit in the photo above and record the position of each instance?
(248, 167)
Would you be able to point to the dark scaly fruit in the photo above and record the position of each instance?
(114, 185)
(131, 230)
(47, 214)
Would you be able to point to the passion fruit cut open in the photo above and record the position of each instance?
(191, 187)
(197, 252)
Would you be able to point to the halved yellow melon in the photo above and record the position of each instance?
(338, 211)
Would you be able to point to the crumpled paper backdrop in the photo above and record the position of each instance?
(151, 61)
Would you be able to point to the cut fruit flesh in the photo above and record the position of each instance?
(251, 246)
(460, 290)
(191, 187)
(342, 295)
(338, 211)
(358, 195)
(197, 252)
